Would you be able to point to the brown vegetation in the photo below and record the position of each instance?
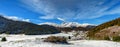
(108, 29)
(54, 39)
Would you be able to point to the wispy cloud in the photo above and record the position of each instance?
(63, 20)
(46, 17)
(73, 9)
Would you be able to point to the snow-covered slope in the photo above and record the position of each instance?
(68, 24)
(72, 24)
(31, 41)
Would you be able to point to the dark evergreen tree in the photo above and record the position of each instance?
(4, 39)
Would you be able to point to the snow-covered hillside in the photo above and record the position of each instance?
(35, 41)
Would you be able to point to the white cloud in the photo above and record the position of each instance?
(12, 17)
(26, 20)
(15, 18)
(49, 23)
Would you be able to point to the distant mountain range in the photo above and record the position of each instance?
(71, 26)
(107, 30)
(68, 24)
(9, 26)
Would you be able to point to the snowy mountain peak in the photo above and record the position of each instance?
(70, 24)
(75, 24)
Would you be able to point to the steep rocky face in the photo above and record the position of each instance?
(19, 27)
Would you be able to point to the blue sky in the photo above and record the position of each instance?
(57, 11)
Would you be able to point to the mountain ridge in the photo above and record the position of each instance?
(9, 26)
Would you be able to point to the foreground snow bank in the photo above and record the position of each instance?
(31, 41)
